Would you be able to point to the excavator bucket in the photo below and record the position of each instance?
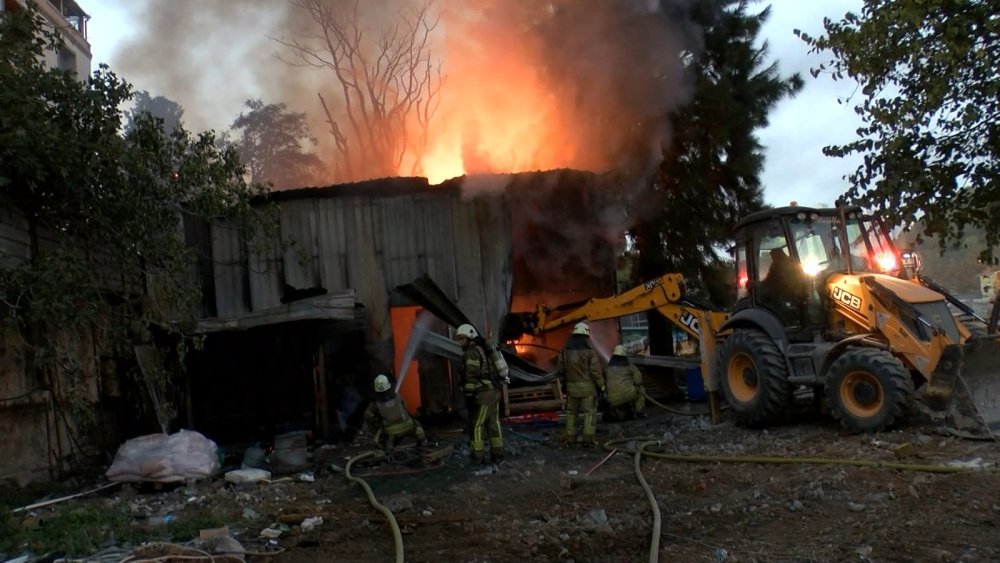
(965, 388)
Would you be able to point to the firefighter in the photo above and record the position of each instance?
(580, 371)
(481, 387)
(387, 415)
(625, 392)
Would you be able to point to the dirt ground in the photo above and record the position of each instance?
(539, 506)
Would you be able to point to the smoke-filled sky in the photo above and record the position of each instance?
(518, 78)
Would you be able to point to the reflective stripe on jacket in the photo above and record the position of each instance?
(392, 416)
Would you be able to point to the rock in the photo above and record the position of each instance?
(311, 523)
(923, 439)
(567, 481)
(904, 451)
(399, 503)
(270, 533)
(875, 498)
(563, 536)
(864, 551)
(225, 545)
(856, 507)
(250, 514)
(427, 513)
(605, 529)
(795, 505)
(717, 507)
(598, 516)
(815, 493)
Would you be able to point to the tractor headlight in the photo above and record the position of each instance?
(810, 267)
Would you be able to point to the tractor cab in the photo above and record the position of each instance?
(784, 255)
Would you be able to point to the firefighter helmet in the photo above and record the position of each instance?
(467, 331)
(619, 351)
(382, 383)
(581, 328)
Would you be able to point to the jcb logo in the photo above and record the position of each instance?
(690, 321)
(847, 298)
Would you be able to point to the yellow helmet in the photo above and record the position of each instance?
(467, 331)
(581, 328)
(619, 351)
(382, 383)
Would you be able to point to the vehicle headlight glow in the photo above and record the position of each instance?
(886, 261)
(810, 267)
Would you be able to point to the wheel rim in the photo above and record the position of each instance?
(862, 394)
(742, 377)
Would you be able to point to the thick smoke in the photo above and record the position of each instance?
(527, 85)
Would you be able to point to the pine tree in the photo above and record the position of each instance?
(710, 174)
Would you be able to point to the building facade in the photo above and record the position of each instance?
(70, 20)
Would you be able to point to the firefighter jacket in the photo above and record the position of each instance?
(478, 374)
(580, 368)
(388, 414)
(624, 380)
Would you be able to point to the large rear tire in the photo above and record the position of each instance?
(868, 390)
(754, 378)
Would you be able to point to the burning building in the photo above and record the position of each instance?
(296, 332)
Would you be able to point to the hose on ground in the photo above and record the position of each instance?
(397, 536)
(654, 545)
(671, 409)
(642, 442)
(787, 460)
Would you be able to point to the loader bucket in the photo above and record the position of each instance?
(965, 388)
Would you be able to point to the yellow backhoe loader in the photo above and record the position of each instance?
(825, 301)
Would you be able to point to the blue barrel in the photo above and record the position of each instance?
(694, 384)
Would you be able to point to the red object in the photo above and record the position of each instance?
(552, 416)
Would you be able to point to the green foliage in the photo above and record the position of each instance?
(930, 106)
(270, 141)
(83, 528)
(956, 266)
(104, 209)
(159, 107)
(710, 176)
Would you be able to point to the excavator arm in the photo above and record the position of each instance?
(665, 295)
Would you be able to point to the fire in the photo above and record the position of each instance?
(539, 86)
(498, 113)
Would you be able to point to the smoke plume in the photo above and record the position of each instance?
(525, 85)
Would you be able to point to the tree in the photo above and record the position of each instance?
(270, 141)
(160, 107)
(929, 103)
(102, 209)
(389, 85)
(710, 174)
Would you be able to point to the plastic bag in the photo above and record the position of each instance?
(163, 458)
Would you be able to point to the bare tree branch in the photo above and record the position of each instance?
(390, 83)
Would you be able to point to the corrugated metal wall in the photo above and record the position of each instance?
(372, 240)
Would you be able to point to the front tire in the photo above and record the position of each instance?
(754, 377)
(868, 390)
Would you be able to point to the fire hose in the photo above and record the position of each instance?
(397, 536)
(642, 442)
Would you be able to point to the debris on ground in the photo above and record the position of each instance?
(541, 506)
